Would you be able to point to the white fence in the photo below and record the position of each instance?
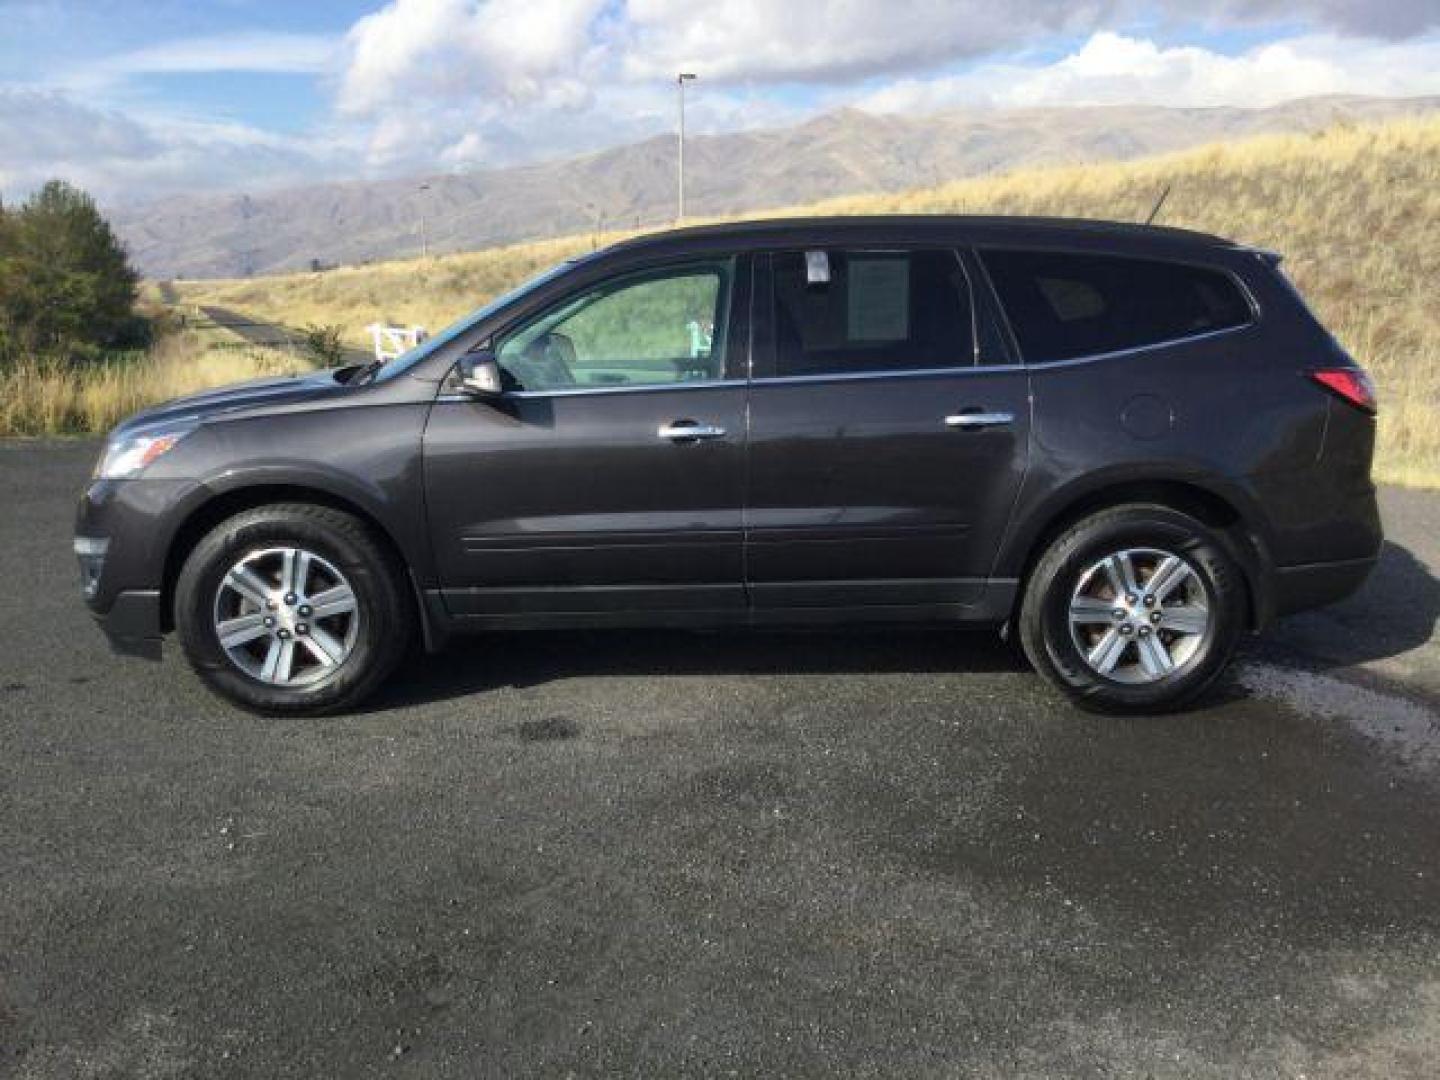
(391, 341)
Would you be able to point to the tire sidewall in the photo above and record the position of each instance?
(222, 549)
(1048, 617)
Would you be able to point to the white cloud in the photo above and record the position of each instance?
(485, 82)
(1363, 18)
(515, 50)
(1113, 69)
(469, 149)
(829, 40)
(259, 52)
(420, 85)
(459, 70)
(125, 158)
(824, 40)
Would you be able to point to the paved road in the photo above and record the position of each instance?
(871, 854)
(273, 336)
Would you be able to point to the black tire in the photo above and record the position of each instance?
(1045, 625)
(385, 609)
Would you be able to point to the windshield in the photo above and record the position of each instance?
(407, 360)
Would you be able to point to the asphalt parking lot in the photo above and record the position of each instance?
(865, 854)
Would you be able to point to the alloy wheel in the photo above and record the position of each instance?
(1139, 615)
(286, 616)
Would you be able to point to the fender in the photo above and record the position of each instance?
(217, 497)
(1224, 501)
(405, 530)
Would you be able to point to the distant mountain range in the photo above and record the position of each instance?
(838, 153)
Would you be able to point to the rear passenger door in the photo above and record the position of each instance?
(888, 432)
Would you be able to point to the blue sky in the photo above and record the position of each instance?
(43, 42)
(138, 100)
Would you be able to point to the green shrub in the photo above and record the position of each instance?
(323, 346)
(66, 286)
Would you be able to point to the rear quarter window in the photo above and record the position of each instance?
(1065, 306)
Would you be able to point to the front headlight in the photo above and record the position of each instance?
(128, 455)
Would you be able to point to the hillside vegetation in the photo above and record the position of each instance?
(48, 397)
(80, 349)
(845, 152)
(1356, 210)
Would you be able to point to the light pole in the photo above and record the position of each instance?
(680, 81)
(424, 239)
(247, 211)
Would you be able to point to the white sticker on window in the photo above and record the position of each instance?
(879, 307)
(817, 268)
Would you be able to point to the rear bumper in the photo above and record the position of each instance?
(132, 624)
(1300, 588)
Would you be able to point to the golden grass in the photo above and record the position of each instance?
(426, 292)
(45, 397)
(1356, 210)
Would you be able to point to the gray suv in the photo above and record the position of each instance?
(1127, 446)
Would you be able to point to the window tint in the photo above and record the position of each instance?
(1064, 306)
(878, 311)
(663, 327)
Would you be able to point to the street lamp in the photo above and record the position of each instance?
(680, 81)
(424, 239)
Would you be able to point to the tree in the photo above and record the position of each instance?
(66, 285)
(9, 277)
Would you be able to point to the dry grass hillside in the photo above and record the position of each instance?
(50, 397)
(1355, 209)
(846, 152)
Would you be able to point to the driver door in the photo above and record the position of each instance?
(606, 484)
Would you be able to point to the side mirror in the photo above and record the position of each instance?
(480, 375)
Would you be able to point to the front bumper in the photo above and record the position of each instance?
(123, 530)
(132, 625)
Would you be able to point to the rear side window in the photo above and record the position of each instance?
(1064, 306)
(838, 312)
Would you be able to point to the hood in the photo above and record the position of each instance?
(209, 404)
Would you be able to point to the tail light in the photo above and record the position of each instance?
(1348, 384)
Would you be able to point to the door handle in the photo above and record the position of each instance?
(690, 431)
(968, 420)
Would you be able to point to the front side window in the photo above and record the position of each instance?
(652, 328)
(1064, 306)
(838, 312)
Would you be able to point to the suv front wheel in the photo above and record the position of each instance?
(292, 608)
(1135, 609)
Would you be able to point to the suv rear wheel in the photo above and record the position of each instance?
(1135, 609)
(292, 609)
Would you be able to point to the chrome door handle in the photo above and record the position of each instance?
(687, 430)
(979, 419)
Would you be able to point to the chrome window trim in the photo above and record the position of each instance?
(866, 376)
(1169, 343)
(1091, 358)
(1247, 294)
(594, 391)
